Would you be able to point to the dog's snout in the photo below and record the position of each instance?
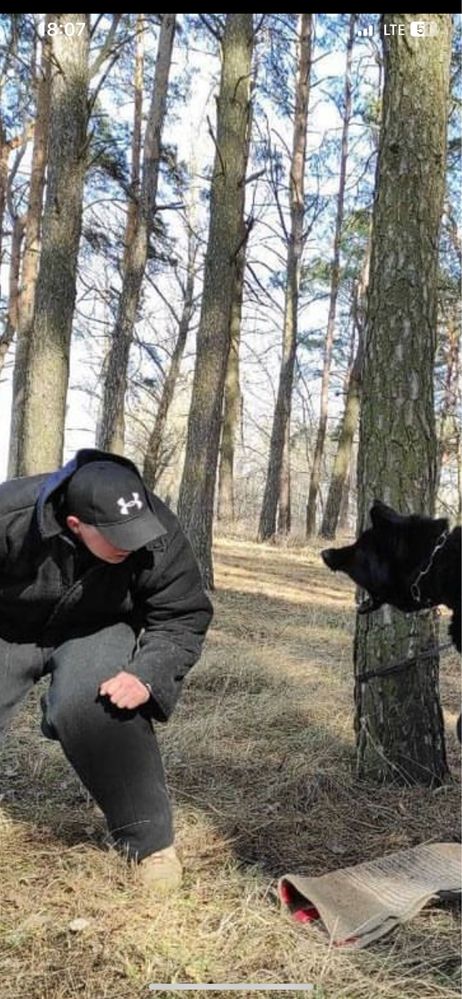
(327, 556)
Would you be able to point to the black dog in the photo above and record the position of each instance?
(411, 562)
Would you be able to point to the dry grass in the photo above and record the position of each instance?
(260, 758)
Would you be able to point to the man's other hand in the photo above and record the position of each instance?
(125, 690)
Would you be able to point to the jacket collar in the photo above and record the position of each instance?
(51, 495)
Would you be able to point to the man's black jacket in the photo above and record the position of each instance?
(52, 588)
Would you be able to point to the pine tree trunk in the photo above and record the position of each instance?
(335, 515)
(152, 467)
(4, 157)
(284, 506)
(450, 390)
(135, 169)
(196, 499)
(280, 433)
(336, 509)
(31, 255)
(324, 402)
(398, 717)
(459, 479)
(11, 325)
(112, 424)
(343, 522)
(232, 400)
(344, 450)
(9, 58)
(41, 443)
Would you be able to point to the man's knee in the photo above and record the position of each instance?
(73, 705)
(68, 706)
(102, 652)
(79, 711)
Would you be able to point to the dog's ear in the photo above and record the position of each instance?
(380, 514)
(441, 525)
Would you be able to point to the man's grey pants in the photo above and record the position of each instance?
(113, 750)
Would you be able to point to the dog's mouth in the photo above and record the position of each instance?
(369, 604)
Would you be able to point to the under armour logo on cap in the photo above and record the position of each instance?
(97, 493)
(124, 506)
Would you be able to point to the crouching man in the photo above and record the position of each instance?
(99, 588)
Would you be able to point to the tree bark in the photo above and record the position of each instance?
(41, 443)
(449, 404)
(196, 499)
(4, 157)
(232, 400)
(135, 171)
(8, 53)
(152, 468)
(343, 517)
(7, 336)
(112, 424)
(281, 421)
(324, 402)
(336, 509)
(284, 506)
(31, 254)
(232, 407)
(398, 717)
(344, 449)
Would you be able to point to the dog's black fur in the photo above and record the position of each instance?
(387, 558)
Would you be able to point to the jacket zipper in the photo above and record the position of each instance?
(67, 596)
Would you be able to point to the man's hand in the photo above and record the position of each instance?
(125, 690)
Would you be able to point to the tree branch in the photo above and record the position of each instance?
(106, 47)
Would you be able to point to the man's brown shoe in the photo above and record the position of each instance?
(161, 871)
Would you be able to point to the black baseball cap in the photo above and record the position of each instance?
(112, 497)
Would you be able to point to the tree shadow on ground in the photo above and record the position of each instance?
(261, 743)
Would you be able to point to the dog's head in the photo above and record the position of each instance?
(386, 558)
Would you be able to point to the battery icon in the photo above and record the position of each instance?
(423, 29)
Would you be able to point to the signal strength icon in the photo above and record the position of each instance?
(366, 32)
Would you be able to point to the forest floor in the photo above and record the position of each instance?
(260, 760)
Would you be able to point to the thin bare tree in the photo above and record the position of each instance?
(152, 465)
(338, 486)
(295, 242)
(334, 287)
(31, 251)
(111, 432)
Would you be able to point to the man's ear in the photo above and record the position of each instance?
(381, 514)
(73, 523)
